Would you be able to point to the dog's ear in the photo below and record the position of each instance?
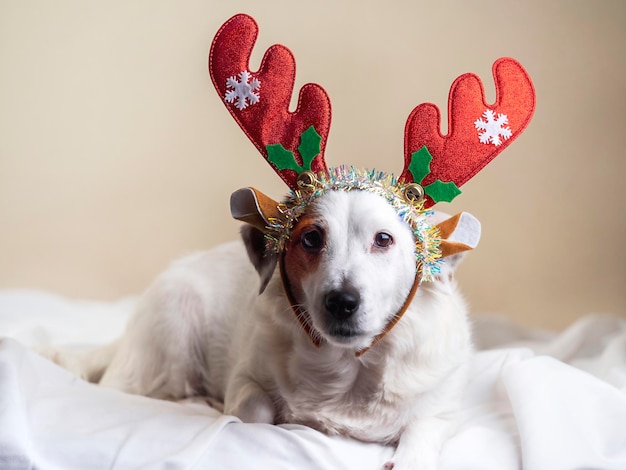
(263, 262)
(459, 234)
(256, 209)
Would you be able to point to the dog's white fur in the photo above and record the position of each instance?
(203, 329)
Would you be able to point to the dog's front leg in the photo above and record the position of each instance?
(248, 401)
(420, 444)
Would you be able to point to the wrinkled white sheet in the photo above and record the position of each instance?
(536, 400)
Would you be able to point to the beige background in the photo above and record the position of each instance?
(117, 156)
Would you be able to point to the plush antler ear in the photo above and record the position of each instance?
(459, 233)
(259, 101)
(253, 207)
(477, 132)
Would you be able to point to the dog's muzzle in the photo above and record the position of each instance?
(344, 302)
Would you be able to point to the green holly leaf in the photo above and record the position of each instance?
(309, 147)
(282, 158)
(440, 191)
(420, 164)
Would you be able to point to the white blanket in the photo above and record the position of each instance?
(535, 400)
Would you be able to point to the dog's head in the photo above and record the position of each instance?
(349, 264)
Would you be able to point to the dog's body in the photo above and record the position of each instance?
(203, 329)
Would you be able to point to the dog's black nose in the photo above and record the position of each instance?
(342, 303)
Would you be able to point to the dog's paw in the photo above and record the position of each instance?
(215, 403)
(392, 465)
(67, 360)
(252, 405)
(425, 460)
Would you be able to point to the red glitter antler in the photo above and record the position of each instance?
(259, 101)
(477, 132)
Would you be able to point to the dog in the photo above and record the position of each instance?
(332, 310)
(203, 329)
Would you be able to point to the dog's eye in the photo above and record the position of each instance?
(383, 240)
(312, 239)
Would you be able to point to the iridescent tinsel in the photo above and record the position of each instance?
(348, 178)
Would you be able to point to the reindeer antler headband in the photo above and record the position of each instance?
(435, 165)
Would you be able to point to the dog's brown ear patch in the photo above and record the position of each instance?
(253, 207)
(298, 262)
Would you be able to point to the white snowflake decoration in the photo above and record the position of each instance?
(493, 127)
(243, 90)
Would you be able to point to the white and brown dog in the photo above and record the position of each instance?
(347, 335)
(203, 329)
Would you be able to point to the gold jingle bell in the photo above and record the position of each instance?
(414, 193)
(307, 181)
